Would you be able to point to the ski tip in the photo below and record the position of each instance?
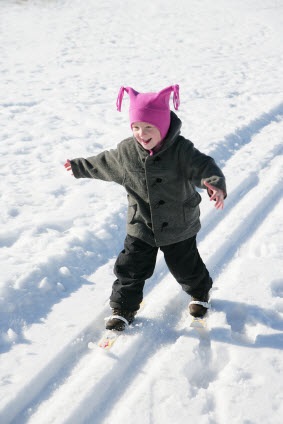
(108, 339)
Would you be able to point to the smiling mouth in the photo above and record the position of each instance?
(146, 141)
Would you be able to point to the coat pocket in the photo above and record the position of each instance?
(191, 209)
(193, 201)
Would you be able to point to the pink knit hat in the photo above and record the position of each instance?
(151, 107)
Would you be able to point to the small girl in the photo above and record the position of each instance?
(160, 170)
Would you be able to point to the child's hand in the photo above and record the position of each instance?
(215, 194)
(68, 165)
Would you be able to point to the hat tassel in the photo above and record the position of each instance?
(176, 97)
(120, 98)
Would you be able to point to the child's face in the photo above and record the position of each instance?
(146, 134)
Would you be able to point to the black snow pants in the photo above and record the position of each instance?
(136, 263)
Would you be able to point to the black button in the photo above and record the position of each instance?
(159, 203)
(158, 180)
(164, 224)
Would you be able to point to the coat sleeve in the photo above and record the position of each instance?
(201, 167)
(106, 166)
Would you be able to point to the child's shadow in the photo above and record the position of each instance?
(241, 315)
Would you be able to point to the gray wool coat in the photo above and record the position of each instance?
(163, 204)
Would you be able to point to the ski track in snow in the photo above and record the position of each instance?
(48, 374)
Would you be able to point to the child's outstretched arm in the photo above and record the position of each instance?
(106, 166)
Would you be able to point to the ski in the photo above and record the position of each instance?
(201, 322)
(109, 337)
(106, 341)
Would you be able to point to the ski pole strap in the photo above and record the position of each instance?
(198, 302)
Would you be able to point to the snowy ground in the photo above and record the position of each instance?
(61, 65)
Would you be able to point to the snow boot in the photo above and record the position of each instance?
(198, 306)
(119, 319)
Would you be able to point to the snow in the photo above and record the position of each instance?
(62, 63)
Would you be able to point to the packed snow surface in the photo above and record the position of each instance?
(62, 63)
